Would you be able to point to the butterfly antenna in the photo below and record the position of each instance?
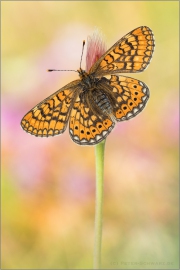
(82, 52)
(49, 70)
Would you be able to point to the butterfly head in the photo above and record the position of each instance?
(82, 73)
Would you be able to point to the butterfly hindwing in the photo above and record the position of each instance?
(131, 96)
(85, 127)
(127, 96)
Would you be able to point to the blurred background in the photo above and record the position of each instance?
(48, 185)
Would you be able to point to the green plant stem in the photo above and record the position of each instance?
(99, 152)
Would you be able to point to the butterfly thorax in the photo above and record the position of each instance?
(94, 95)
(86, 78)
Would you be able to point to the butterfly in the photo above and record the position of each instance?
(101, 97)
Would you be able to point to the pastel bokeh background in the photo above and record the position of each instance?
(48, 185)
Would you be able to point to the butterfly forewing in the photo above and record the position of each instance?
(132, 53)
(50, 117)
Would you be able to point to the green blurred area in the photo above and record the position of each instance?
(48, 185)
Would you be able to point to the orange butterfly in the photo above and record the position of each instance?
(101, 97)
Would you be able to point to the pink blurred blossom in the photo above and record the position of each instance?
(95, 48)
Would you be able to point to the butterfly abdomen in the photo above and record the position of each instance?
(102, 102)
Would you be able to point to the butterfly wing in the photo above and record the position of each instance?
(132, 53)
(85, 127)
(50, 117)
(130, 95)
